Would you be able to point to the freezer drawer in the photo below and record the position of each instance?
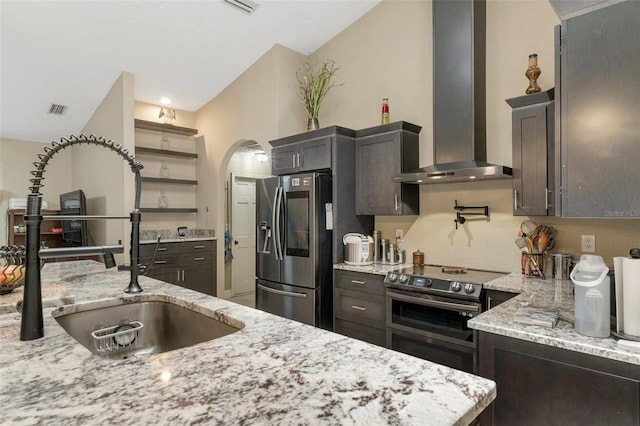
(296, 303)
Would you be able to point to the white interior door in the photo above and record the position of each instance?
(243, 230)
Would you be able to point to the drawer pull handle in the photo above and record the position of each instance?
(360, 308)
(358, 282)
(160, 262)
(198, 258)
(198, 247)
(162, 249)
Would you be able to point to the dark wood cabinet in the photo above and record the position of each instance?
(383, 152)
(309, 155)
(189, 264)
(533, 154)
(359, 306)
(543, 385)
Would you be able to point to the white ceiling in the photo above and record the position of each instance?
(71, 52)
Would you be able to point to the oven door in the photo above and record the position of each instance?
(432, 328)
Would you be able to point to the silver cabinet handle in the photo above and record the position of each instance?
(183, 275)
(162, 249)
(199, 247)
(159, 262)
(515, 199)
(293, 161)
(546, 198)
(298, 155)
(358, 282)
(395, 199)
(195, 259)
(178, 276)
(359, 308)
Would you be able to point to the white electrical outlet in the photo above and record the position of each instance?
(588, 243)
(399, 234)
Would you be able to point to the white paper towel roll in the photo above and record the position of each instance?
(617, 268)
(631, 296)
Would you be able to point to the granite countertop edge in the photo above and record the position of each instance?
(273, 371)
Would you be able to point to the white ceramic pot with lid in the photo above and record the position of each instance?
(358, 249)
(592, 297)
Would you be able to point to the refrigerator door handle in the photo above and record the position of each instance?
(280, 292)
(277, 212)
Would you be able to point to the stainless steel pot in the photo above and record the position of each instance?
(358, 249)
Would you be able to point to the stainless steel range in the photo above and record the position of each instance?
(428, 308)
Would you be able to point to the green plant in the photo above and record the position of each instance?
(314, 83)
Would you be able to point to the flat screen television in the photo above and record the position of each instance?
(74, 232)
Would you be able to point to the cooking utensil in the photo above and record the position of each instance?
(528, 227)
(532, 256)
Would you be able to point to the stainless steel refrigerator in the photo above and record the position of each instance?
(293, 248)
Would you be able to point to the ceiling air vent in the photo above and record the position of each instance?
(244, 5)
(56, 109)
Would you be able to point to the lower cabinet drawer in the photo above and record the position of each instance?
(361, 332)
(360, 307)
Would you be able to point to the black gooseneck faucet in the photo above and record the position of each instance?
(31, 327)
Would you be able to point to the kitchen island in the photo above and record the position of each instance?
(273, 371)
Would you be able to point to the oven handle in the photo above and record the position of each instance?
(450, 306)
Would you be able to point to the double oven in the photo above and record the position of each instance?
(427, 311)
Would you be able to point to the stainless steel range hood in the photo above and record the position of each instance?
(459, 130)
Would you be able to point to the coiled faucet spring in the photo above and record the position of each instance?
(32, 321)
(49, 152)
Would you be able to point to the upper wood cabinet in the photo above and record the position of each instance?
(309, 155)
(599, 96)
(383, 152)
(533, 154)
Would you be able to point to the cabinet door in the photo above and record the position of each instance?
(530, 189)
(544, 385)
(496, 297)
(363, 308)
(378, 159)
(283, 160)
(199, 278)
(314, 155)
(600, 107)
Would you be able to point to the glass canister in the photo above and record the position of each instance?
(418, 258)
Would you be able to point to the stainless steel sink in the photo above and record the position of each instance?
(125, 329)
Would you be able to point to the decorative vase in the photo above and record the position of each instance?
(313, 124)
(532, 73)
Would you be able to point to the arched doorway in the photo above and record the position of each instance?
(248, 162)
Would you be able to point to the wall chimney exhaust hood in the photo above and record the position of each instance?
(459, 116)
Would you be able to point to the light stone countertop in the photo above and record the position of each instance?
(532, 292)
(557, 295)
(273, 371)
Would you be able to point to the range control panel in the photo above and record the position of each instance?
(432, 285)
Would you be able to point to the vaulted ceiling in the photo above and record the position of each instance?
(71, 52)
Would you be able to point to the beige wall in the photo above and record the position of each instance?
(16, 163)
(104, 176)
(388, 53)
(259, 105)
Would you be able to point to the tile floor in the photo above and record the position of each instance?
(247, 299)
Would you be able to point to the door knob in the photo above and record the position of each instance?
(235, 242)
